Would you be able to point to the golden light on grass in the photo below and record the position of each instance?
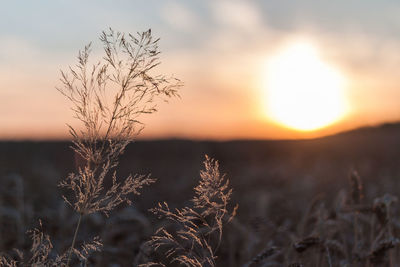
(302, 91)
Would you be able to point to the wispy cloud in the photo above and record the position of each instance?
(16, 50)
(238, 15)
(180, 17)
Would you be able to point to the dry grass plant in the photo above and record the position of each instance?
(108, 98)
(197, 230)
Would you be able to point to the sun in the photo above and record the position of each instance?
(302, 91)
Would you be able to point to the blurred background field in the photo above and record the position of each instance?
(274, 183)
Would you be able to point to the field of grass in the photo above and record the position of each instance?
(325, 202)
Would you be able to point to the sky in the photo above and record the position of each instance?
(219, 49)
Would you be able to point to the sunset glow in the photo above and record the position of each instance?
(250, 69)
(303, 92)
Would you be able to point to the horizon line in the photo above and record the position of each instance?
(205, 139)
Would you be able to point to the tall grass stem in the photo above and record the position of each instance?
(74, 239)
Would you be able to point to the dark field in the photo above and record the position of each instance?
(287, 191)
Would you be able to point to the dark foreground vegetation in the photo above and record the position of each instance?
(324, 202)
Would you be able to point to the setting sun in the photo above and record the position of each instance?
(302, 91)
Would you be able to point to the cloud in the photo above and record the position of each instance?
(14, 49)
(179, 17)
(237, 14)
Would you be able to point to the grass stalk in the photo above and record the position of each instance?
(74, 239)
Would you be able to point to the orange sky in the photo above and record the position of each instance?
(219, 49)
